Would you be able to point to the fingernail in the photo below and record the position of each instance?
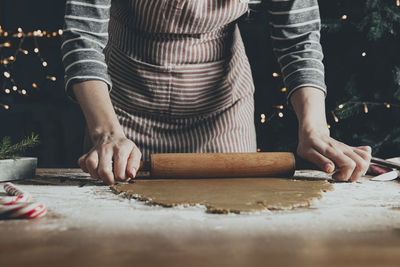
(133, 173)
(329, 168)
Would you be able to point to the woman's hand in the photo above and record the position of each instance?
(112, 158)
(315, 144)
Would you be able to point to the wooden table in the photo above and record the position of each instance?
(357, 224)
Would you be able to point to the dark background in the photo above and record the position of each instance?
(47, 112)
(60, 123)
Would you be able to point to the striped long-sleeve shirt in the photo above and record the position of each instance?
(295, 33)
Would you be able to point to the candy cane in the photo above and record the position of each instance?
(28, 210)
(19, 204)
(12, 200)
(12, 190)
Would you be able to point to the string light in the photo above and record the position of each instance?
(280, 114)
(363, 54)
(37, 33)
(279, 106)
(275, 75)
(329, 126)
(397, 2)
(6, 106)
(258, 150)
(263, 118)
(19, 38)
(344, 17)
(365, 105)
(365, 108)
(6, 44)
(283, 89)
(335, 118)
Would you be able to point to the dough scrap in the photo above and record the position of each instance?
(229, 195)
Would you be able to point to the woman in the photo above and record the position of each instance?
(173, 76)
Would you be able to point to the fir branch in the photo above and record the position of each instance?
(8, 150)
(332, 25)
(352, 108)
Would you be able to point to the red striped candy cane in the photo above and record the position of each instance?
(19, 204)
(28, 210)
(12, 200)
(12, 190)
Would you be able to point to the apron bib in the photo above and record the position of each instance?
(178, 58)
(181, 78)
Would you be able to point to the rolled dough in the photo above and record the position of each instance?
(227, 195)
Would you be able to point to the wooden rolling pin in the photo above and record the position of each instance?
(207, 165)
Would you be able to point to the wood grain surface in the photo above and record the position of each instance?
(357, 224)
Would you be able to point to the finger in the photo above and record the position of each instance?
(133, 162)
(104, 170)
(81, 163)
(319, 160)
(345, 165)
(344, 172)
(366, 156)
(361, 165)
(367, 149)
(91, 163)
(345, 168)
(121, 155)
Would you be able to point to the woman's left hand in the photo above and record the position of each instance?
(315, 144)
(349, 163)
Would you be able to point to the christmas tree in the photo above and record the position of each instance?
(364, 78)
(361, 43)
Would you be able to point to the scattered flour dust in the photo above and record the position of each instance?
(364, 206)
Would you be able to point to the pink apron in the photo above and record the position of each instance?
(181, 78)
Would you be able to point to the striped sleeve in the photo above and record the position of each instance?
(85, 36)
(295, 34)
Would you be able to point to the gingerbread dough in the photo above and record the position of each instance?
(227, 195)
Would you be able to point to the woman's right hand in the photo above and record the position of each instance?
(113, 158)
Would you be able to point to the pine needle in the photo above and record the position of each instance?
(10, 151)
